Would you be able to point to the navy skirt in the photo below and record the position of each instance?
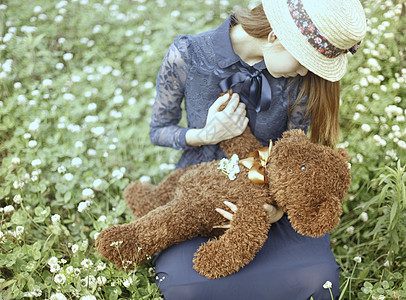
(289, 266)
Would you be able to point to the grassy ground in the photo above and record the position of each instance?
(76, 87)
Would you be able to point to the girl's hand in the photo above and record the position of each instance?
(220, 125)
(274, 213)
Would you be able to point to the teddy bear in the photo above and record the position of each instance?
(307, 181)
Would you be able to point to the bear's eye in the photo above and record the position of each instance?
(303, 168)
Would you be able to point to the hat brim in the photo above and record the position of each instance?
(289, 35)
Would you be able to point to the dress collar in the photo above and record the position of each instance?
(223, 48)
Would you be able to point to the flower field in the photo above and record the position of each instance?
(77, 84)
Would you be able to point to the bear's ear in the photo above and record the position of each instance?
(295, 134)
(344, 154)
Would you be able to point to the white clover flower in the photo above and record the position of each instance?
(102, 218)
(327, 285)
(357, 259)
(402, 144)
(91, 119)
(97, 28)
(38, 9)
(56, 218)
(34, 126)
(361, 108)
(363, 82)
(60, 278)
(7, 37)
(3, 7)
(69, 270)
(148, 85)
(128, 282)
(75, 248)
(18, 184)
(87, 194)
(89, 297)
(36, 163)
(47, 82)
(69, 97)
(19, 230)
(28, 29)
(79, 144)
(61, 169)
(101, 266)
(118, 174)
(76, 162)
(27, 135)
(101, 280)
(59, 66)
(32, 144)
(57, 296)
(43, 17)
(91, 152)
(118, 99)
(68, 176)
(15, 161)
(166, 167)
(97, 131)
(52, 261)
(67, 56)
(76, 78)
(86, 263)
(92, 106)
(379, 141)
(97, 184)
(115, 114)
(350, 229)
(145, 178)
(8, 209)
(89, 281)
(364, 216)
(82, 206)
(18, 199)
(55, 268)
(366, 127)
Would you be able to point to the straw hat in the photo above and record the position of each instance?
(318, 33)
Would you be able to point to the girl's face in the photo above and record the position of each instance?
(279, 62)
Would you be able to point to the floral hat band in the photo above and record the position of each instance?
(313, 34)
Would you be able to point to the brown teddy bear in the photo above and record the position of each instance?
(307, 181)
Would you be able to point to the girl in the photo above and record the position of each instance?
(283, 60)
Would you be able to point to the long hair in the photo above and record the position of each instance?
(323, 96)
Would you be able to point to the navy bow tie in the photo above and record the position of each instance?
(256, 84)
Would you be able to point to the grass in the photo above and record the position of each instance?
(76, 87)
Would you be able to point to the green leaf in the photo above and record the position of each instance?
(393, 213)
(67, 196)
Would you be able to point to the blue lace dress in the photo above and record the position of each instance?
(289, 266)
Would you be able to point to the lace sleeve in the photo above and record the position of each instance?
(298, 118)
(170, 87)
